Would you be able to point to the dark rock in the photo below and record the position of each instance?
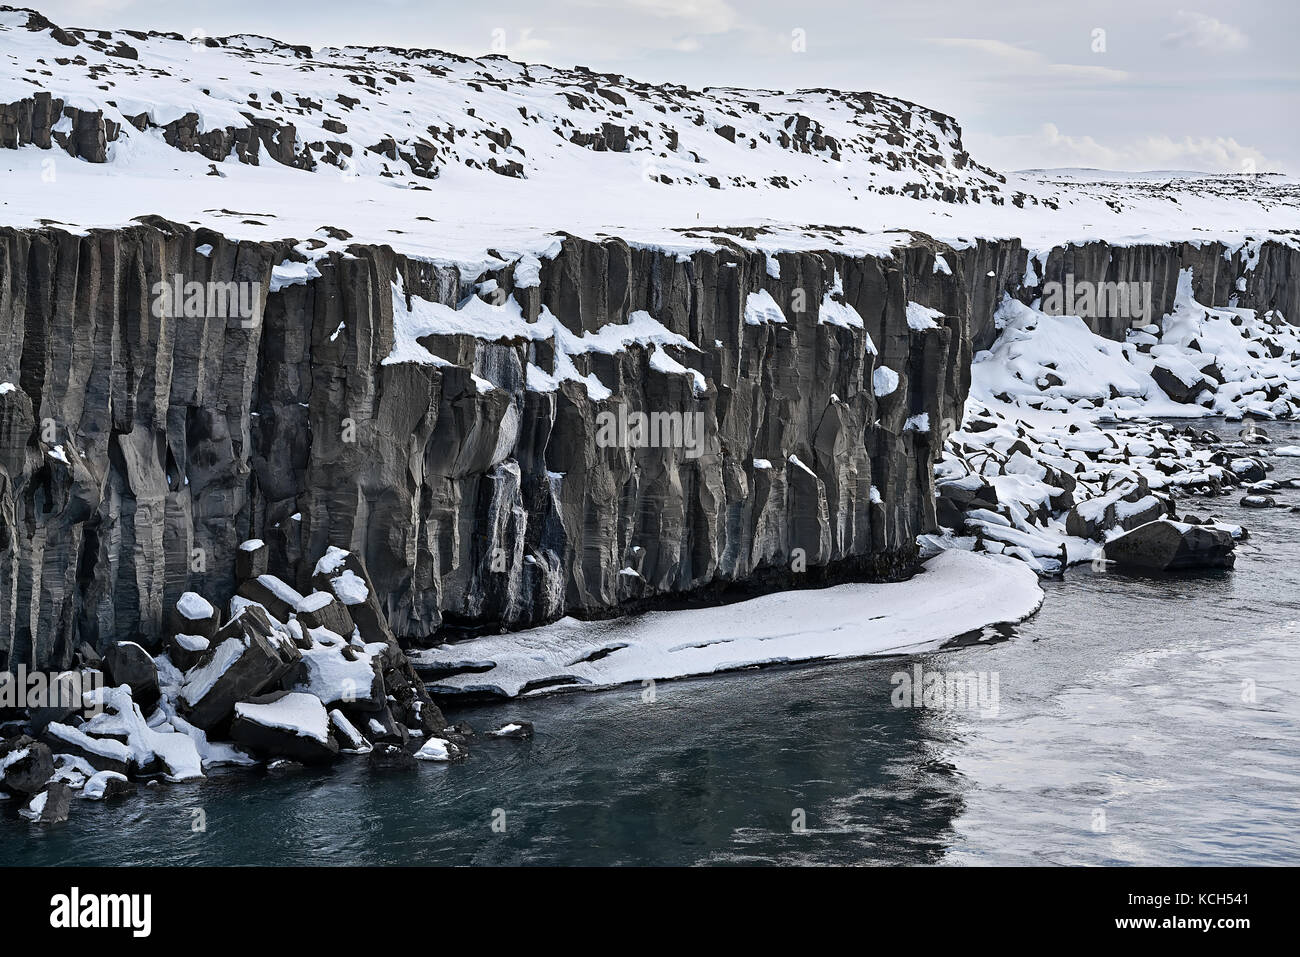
(251, 560)
(391, 757)
(129, 664)
(186, 651)
(56, 807)
(276, 596)
(285, 724)
(1259, 501)
(514, 729)
(247, 656)
(1169, 546)
(322, 610)
(1177, 385)
(25, 765)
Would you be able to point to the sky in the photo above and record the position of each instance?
(1112, 84)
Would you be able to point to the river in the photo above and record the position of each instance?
(1138, 721)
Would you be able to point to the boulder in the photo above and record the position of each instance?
(440, 749)
(514, 729)
(344, 575)
(51, 806)
(1258, 501)
(25, 765)
(285, 724)
(247, 657)
(1166, 545)
(105, 786)
(276, 596)
(129, 664)
(186, 651)
(1180, 380)
(351, 741)
(391, 757)
(251, 560)
(195, 615)
(102, 754)
(321, 609)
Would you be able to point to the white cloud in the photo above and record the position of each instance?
(1206, 34)
(702, 16)
(1048, 147)
(1013, 62)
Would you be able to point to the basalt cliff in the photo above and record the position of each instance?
(441, 418)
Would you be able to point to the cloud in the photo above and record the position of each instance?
(1013, 62)
(701, 16)
(1048, 147)
(1206, 34)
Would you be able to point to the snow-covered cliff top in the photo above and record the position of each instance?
(446, 157)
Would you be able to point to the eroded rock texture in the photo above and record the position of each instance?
(137, 452)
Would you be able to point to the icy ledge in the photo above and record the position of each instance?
(955, 593)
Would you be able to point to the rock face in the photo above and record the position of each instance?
(1172, 546)
(139, 451)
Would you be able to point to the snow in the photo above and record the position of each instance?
(280, 589)
(921, 317)
(1290, 451)
(36, 807)
(350, 589)
(200, 679)
(252, 545)
(97, 784)
(330, 676)
(104, 747)
(435, 749)
(783, 627)
(884, 381)
(194, 643)
(761, 308)
(195, 607)
(331, 561)
(315, 601)
(303, 714)
(121, 718)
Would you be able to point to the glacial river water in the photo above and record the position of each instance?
(1139, 721)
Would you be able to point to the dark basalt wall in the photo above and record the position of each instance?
(136, 453)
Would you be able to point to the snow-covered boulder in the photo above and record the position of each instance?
(440, 749)
(321, 609)
(248, 656)
(187, 650)
(514, 729)
(51, 806)
(286, 724)
(102, 754)
(106, 785)
(1167, 545)
(195, 615)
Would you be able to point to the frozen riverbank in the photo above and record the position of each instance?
(955, 593)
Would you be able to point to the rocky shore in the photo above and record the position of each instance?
(284, 677)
